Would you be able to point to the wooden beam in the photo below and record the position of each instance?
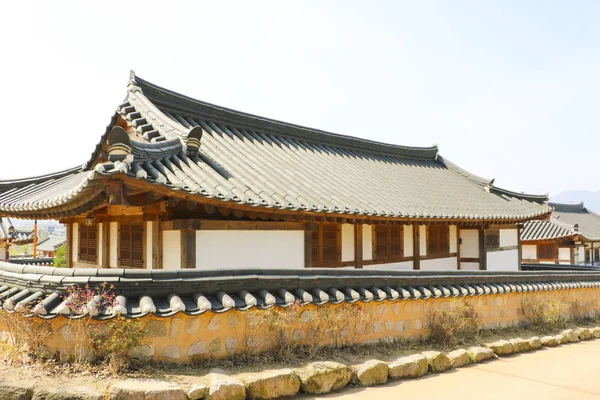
(482, 253)
(188, 248)
(416, 247)
(358, 246)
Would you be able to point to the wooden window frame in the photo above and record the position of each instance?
(553, 252)
(130, 262)
(83, 253)
(435, 249)
(318, 249)
(385, 253)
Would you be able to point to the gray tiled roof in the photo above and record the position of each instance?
(21, 236)
(51, 243)
(250, 160)
(164, 293)
(546, 230)
(588, 223)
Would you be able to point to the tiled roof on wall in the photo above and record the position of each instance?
(213, 152)
(164, 293)
(21, 236)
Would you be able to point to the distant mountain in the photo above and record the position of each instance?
(591, 200)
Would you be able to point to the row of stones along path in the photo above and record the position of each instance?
(315, 378)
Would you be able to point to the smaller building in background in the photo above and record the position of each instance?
(47, 247)
(9, 235)
(570, 236)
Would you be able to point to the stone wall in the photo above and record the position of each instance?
(183, 339)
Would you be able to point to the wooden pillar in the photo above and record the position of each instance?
(308, 245)
(35, 239)
(105, 244)
(358, 245)
(482, 253)
(520, 245)
(416, 247)
(188, 248)
(457, 248)
(69, 257)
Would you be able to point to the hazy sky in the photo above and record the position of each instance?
(507, 89)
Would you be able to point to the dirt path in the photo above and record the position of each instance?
(566, 372)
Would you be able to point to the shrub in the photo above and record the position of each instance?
(122, 335)
(26, 336)
(545, 313)
(458, 323)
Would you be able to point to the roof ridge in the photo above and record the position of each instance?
(215, 112)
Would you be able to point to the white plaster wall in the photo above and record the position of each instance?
(367, 242)
(408, 241)
(509, 237)
(581, 255)
(100, 243)
(422, 240)
(453, 238)
(113, 239)
(347, 242)
(469, 266)
(529, 252)
(2, 254)
(249, 249)
(405, 265)
(172, 249)
(503, 260)
(439, 264)
(469, 247)
(149, 244)
(75, 241)
(564, 254)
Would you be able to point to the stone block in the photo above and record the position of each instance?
(198, 391)
(501, 347)
(197, 349)
(438, 362)
(155, 328)
(323, 377)
(459, 358)
(172, 352)
(66, 393)
(146, 389)
(223, 387)
(595, 332)
(16, 391)
(370, 373)
(550, 341)
(270, 384)
(535, 343)
(478, 354)
(520, 345)
(143, 353)
(568, 336)
(583, 333)
(412, 366)
(192, 325)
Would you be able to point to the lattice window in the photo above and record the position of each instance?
(327, 245)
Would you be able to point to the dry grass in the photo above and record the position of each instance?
(546, 314)
(459, 323)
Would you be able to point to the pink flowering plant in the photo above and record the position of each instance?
(83, 303)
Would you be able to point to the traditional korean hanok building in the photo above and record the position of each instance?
(570, 236)
(47, 247)
(9, 235)
(179, 183)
